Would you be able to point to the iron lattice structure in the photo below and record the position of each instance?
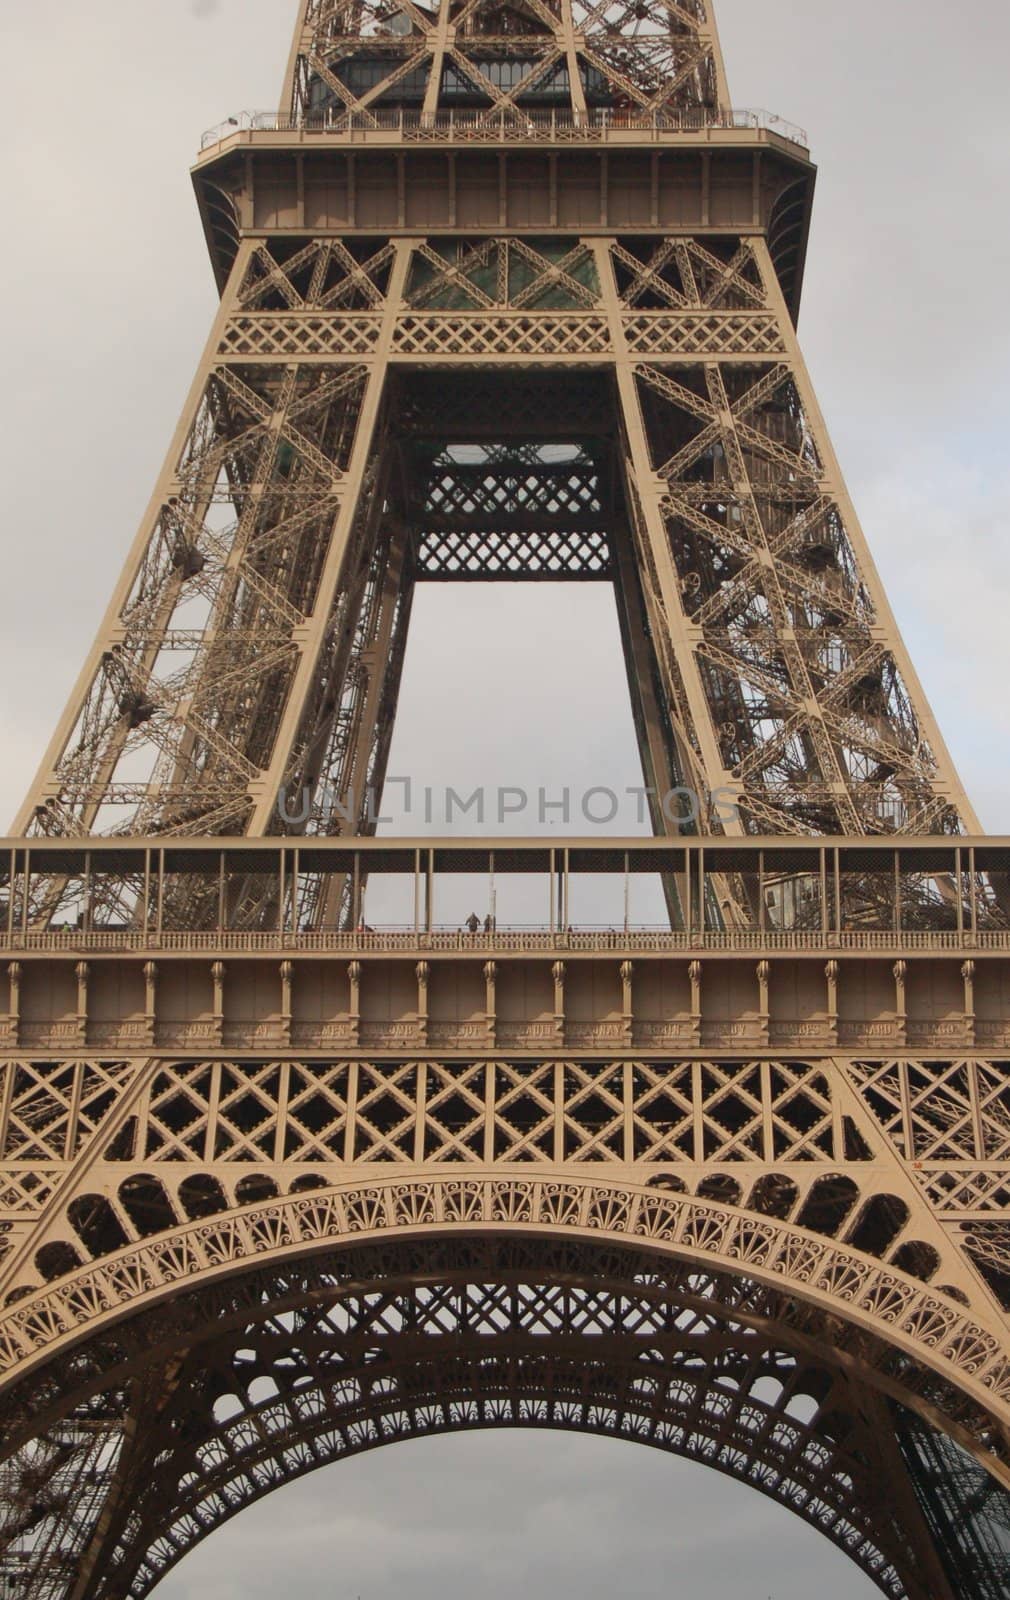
(508, 292)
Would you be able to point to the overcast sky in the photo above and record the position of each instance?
(106, 303)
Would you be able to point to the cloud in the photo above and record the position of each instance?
(550, 1515)
(941, 525)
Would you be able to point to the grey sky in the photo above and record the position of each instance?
(107, 299)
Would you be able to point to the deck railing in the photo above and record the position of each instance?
(498, 127)
(388, 940)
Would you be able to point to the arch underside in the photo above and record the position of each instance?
(135, 1445)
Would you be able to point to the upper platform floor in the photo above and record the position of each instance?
(584, 895)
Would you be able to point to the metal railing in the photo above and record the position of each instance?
(503, 940)
(499, 126)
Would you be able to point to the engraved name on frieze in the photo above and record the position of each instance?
(449, 1032)
(187, 1032)
(662, 1032)
(592, 1032)
(521, 1032)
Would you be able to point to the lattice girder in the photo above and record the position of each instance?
(233, 670)
(512, 513)
(771, 1136)
(653, 58)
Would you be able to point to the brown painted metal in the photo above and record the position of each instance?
(735, 1187)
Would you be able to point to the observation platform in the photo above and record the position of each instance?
(592, 127)
(459, 171)
(890, 945)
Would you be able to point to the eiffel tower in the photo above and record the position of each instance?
(508, 292)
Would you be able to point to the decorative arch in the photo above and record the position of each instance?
(927, 1325)
(621, 1309)
(256, 1379)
